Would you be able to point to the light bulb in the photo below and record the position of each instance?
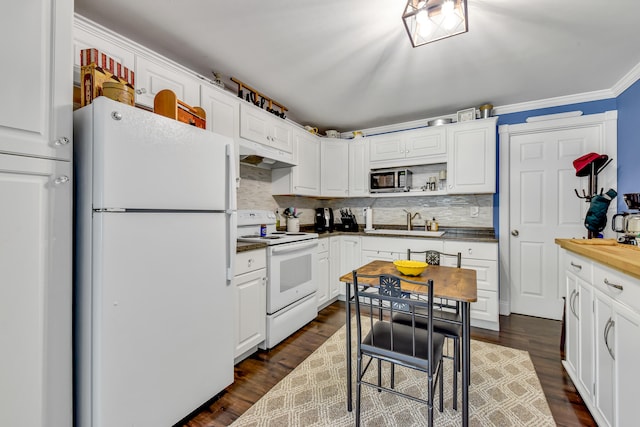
(447, 8)
(422, 18)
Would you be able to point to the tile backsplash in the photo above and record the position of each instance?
(255, 193)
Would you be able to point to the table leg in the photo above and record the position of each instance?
(466, 362)
(348, 344)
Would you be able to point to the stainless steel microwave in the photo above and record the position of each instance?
(389, 180)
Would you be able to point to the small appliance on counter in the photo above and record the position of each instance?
(324, 220)
(347, 221)
(628, 222)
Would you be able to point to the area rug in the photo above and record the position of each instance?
(504, 391)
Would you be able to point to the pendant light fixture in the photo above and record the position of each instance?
(429, 20)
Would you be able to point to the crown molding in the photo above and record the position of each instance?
(625, 82)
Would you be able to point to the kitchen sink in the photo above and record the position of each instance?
(422, 233)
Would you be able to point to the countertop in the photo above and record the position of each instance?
(472, 234)
(625, 258)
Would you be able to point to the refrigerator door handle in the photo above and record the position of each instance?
(231, 177)
(232, 232)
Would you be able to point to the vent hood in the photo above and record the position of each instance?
(263, 156)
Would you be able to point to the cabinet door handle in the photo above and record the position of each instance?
(610, 325)
(613, 285)
(61, 141)
(578, 266)
(63, 179)
(572, 301)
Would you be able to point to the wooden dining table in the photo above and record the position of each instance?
(458, 284)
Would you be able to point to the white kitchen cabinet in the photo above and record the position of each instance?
(350, 257)
(579, 320)
(223, 111)
(35, 295)
(405, 148)
(358, 167)
(324, 271)
(603, 347)
(36, 84)
(250, 304)
(336, 287)
(471, 157)
(154, 75)
(334, 162)
(303, 179)
(265, 128)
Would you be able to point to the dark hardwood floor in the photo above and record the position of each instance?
(255, 375)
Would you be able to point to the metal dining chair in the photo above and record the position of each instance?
(399, 344)
(447, 319)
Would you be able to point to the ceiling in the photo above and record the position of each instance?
(349, 65)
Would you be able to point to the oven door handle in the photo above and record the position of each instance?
(293, 248)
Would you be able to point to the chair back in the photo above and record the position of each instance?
(382, 306)
(433, 257)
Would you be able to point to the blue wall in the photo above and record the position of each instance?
(628, 106)
(628, 143)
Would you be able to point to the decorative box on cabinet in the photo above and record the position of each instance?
(303, 179)
(250, 304)
(471, 157)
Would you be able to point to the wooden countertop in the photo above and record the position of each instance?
(625, 258)
(448, 282)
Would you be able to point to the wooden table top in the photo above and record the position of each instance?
(448, 282)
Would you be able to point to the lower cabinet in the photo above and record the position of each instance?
(602, 327)
(250, 293)
(336, 287)
(324, 272)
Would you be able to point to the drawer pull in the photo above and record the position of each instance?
(613, 285)
(578, 266)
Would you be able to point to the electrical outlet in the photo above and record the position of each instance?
(474, 211)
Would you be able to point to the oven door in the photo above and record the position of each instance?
(292, 273)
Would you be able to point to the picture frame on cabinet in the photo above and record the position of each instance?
(466, 115)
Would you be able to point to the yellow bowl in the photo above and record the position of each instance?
(410, 267)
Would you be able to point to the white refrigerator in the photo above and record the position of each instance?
(154, 248)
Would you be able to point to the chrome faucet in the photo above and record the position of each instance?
(410, 217)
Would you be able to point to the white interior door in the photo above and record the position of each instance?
(543, 207)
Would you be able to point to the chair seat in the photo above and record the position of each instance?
(378, 343)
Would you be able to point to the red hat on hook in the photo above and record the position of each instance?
(582, 164)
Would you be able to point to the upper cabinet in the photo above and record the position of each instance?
(358, 167)
(417, 146)
(303, 179)
(334, 159)
(153, 75)
(471, 157)
(223, 111)
(36, 115)
(265, 128)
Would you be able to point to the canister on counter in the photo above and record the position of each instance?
(263, 230)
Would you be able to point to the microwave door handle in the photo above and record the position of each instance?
(291, 248)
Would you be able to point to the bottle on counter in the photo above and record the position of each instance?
(434, 225)
(277, 219)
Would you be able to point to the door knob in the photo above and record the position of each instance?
(515, 233)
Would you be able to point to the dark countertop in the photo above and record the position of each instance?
(471, 234)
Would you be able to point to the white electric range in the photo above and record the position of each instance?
(291, 271)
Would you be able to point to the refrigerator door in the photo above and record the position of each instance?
(142, 160)
(161, 341)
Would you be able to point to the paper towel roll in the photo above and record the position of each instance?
(368, 218)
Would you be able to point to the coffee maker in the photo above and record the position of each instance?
(628, 222)
(324, 220)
